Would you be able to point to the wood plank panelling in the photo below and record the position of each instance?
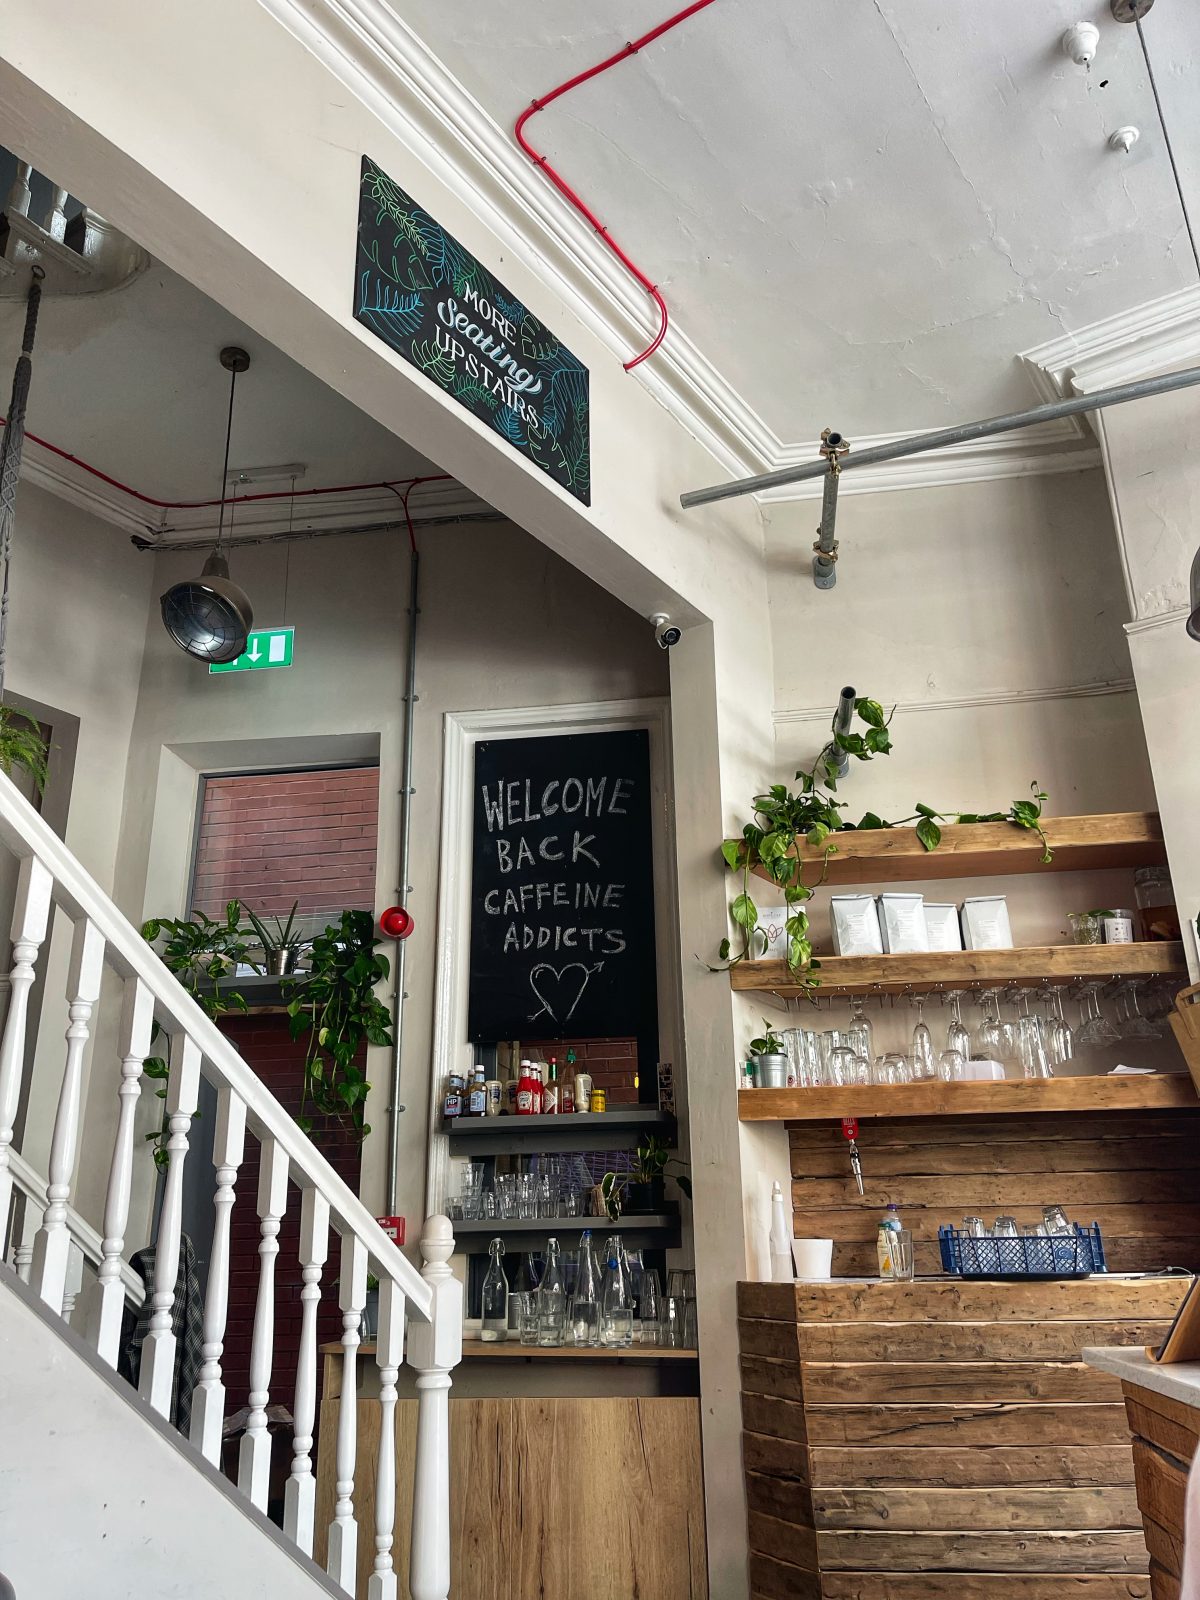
(1139, 1185)
(944, 1441)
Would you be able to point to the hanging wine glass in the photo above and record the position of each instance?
(958, 1036)
(1095, 1028)
(1061, 1038)
(924, 1061)
(859, 1034)
(1131, 1023)
(1031, 1048)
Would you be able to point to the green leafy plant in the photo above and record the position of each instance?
(22, 745)
(283, 937)
(652, 1162)
(770, 1044)
(336, 1005)
(780, 817)
(203, 954)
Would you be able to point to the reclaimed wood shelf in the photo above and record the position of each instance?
(990, 849)
(1157, 1091)
(618, 1129)
(966, 969)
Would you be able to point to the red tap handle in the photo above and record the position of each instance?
(850, 1127)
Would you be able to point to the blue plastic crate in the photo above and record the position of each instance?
(1057, 1255)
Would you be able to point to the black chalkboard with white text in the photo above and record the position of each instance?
(562, 892)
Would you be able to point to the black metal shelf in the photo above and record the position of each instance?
(658, 1232)
(618, 1129)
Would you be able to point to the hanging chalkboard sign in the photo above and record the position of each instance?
(427, 298)
(562, 896)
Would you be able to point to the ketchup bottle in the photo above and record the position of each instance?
(526, 1091)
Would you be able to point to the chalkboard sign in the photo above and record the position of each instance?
(562, 896)
(427, 298)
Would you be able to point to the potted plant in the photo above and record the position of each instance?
(336, 1005)
(770, 1058)
(22, 745)
(281, 946)
(641, 1191)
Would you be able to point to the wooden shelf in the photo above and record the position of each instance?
(990, 849)
(618, 1129)
(1013, 1097)
(966, 969)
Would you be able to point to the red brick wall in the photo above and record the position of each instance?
(268, 839)
(612, 1063)
(264, 1043)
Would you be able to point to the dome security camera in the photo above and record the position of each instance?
(666, 632)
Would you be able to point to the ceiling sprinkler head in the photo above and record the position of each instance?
(1124, 139)
(1080, 42)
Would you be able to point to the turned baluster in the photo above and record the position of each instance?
(299, 1504)
(31, 917)
(157, 1378)
(434, 1349)
(208, 1397)
(133, 1045)
(352, 1297)
(56, 222)
(74, 1280)
(389, 1353)
(254, 1456)
(51, 1247)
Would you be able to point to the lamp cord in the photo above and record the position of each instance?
(1162, 122)
(233, 377)
(10, 453)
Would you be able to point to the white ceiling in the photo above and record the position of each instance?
(860, 212)
(130, 382)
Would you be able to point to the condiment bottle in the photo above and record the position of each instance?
(477, 1095)
(552, 1093)
(452, 1104)
(526, 1090)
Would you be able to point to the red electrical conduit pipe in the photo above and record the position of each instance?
(565, 189)
(229, 500)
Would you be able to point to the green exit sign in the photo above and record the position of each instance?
(266, 647)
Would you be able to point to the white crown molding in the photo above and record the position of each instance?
(255, 518)
(1148, 339)
(1175, 618)
(378, 58)
(966, 702)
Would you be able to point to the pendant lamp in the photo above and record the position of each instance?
(209, 617)
(1193, 621)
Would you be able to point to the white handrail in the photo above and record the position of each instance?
(84, 1235)
(26, 834)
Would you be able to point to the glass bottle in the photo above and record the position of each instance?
(551, 1300)
(477, 1095)
(616, 1303)
(550, 1092)
(494, 1302)
(524, 1299)
(583, 1315)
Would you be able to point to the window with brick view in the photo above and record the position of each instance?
(268, 839)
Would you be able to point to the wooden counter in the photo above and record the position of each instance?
(1163, 1407)
(942, 1440)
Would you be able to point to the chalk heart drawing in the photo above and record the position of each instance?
(560, 989)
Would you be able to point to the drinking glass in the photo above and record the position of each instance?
(827, 1043)
(975, 1227)
(548, 1185)
(505, 1185)
(527, 1198)
(951, 1066)
(1031, 1048)
(1055, 1220)
(1131, 1023)
(691, 1335)
(891, 1069)
(1085, 927)
(649, 1306)
(957, 1035)
(843, 1067)
(860, 1035)
(924, 1062)
(902, 1255)
(1005, 1228)
(1061, 1038)
(671, 1327)
(803, 1059)
(1095, 1028)
(994, 1038)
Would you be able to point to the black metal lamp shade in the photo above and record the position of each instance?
(208, 617)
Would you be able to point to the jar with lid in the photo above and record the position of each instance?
(1158, 914)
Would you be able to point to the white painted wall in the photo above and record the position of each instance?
(159, 1525)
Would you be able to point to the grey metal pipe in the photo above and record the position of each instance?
(395, 1109)
(915, 444)
(825, 550)
(842, 719)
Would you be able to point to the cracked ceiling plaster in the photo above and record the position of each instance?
(860, 213)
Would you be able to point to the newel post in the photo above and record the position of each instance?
(434, 1350)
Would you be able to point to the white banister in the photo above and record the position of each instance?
(51, 1247)
(25, 1231)
(56, 222)
(434, 1350)
(33, 1192)
(388, 1356)
(208, 1397)
(19, 195)
(73, 1280)
(352, 1297)
(156, 1382)
(254, 1456)
(133, 1046)
(31, 917)
(299, 1504)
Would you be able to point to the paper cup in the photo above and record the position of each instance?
(813, 1258)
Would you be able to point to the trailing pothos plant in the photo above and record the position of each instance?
(203, 954)
(336, 1005)
(768, 843)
